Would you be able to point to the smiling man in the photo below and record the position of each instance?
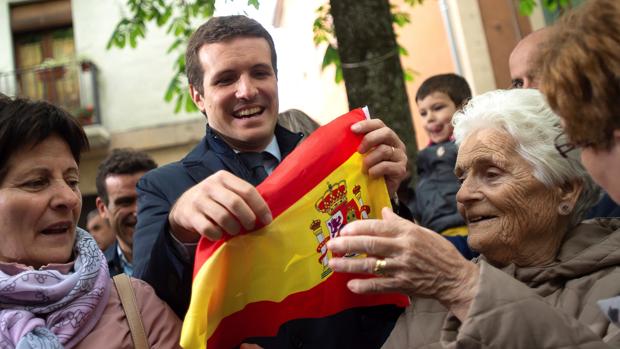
(231, 66)
(116, 182)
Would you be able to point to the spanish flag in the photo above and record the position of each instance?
(249, 285)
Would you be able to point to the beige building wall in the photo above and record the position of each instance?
(429, 53)
(425, 38)
(303, 85)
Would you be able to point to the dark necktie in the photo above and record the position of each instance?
(255, 163)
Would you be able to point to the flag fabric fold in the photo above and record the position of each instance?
(249, 285)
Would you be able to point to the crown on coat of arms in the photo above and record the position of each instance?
(335, 196)
(316, 224)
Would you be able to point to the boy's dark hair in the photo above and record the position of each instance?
(121, 162)
(25, 123)
(455, 86)
(220, 29)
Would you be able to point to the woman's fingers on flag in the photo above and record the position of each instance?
(371, 245)
(385, 284)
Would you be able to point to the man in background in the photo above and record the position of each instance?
(116, 182)
(525, 73)
(100, 229)
(522, 61)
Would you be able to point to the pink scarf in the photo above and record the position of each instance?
(56, 306)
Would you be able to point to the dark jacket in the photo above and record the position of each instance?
(115, 265)
(435, 194)
(157, 262)
(606, 207)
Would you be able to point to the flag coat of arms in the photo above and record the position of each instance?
(249, 285)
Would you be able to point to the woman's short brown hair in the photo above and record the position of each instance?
(25, 123)
(580, 72)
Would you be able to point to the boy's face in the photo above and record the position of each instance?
(436, 111)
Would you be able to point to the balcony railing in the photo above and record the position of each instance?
(72, 86)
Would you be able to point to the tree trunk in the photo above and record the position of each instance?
(371, 65)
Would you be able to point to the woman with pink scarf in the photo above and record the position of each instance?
(55, 289)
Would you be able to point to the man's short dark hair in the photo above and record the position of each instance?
(123, 161)
(92, 214)
(25, 123)
(220, 29)
(453, 85)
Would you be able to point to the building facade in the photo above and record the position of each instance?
(56, 50)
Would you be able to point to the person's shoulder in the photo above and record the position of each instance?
(110, 252)
(165, 172)
(141, 288)
(162, 325)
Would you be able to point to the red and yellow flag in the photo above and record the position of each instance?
(249, 285)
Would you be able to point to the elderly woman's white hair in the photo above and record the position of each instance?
(525, 115)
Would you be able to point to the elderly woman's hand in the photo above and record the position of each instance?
(418, 262)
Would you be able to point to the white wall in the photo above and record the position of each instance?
(6, 42)
(132, 82)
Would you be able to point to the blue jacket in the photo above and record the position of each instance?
(435, 193)
(115, 266)
(157, 262)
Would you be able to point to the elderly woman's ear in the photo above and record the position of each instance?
(569, 192)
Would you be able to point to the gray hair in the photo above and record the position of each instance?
(525, 115)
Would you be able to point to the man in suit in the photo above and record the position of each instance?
(116, 180)
(232, 72)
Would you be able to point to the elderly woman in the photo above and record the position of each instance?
(540, 272)
(55, 290)
(580, 75)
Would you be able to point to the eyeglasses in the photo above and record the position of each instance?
(564, 146)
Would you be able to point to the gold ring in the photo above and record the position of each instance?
(379, 268)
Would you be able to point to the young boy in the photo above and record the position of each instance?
(438, 98)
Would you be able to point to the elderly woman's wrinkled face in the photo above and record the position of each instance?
(39, 204)
(512, 217)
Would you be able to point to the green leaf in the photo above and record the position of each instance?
(173, 87)
(161, 20)
(141, 30)
(402, 51)
(400, 18)
(112, 41)
(331, 56)
(189, 103)
(120, 40)
(178, 104)
(253, 3)
(409, 74)
(413, 2)
(208, 9)
(179, 29)
(132, 40)
(174, 45)
(551, 5)
(339, 76)
(526, 7)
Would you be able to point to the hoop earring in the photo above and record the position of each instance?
(564, 209)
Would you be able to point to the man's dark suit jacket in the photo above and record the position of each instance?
(115, 266)
(157, 261)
